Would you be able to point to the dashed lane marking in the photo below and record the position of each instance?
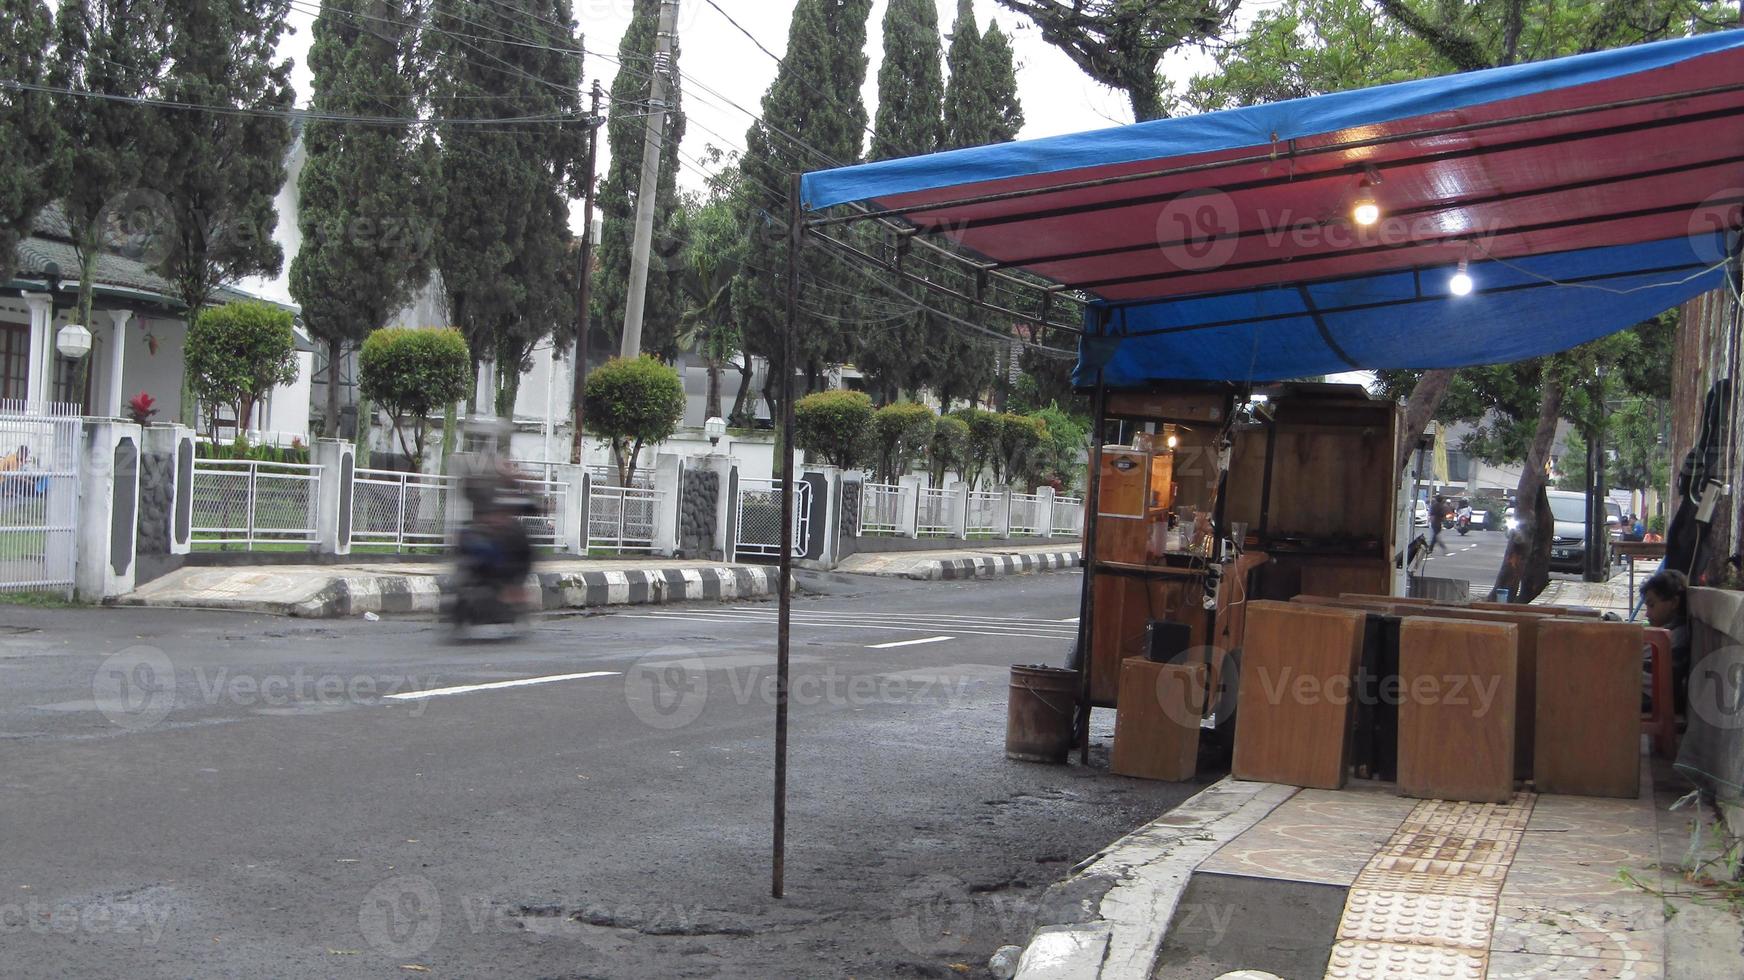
(910, 643)
(442, 692)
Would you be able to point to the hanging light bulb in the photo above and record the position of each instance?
(1461, 283)
(1365, 212)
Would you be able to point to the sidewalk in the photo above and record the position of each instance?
(1612, 595)
(1361, 883)
(328, 591)
(961, 563)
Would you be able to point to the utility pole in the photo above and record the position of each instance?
(583, 320)
(652, 141)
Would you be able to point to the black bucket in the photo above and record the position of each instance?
(1039, 714)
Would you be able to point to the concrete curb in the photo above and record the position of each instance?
(354, 595)
(1110, 917)
(993, 566)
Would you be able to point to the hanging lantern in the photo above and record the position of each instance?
(73, 341)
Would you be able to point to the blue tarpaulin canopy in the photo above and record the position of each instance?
(1580, 195)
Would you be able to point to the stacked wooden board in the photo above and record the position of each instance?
(1456, 711)
(1156, 731)
(1588, 697)
(1293, 710)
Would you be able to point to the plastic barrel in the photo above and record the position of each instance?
(1038, 716)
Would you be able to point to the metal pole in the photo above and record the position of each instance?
(583, 316)
(653, 138)
(795, 238)
(1087, 600)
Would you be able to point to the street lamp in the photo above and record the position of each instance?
(714, 428)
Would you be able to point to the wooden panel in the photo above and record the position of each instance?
(1332, 576)
(1332, 482)
(1247, 469)
(1456, 710)
(1293, 711)
(1124, 605)
(1589, 698)
(1171, 405)
(1122, 539)
(1156, 731)
(1526, 674)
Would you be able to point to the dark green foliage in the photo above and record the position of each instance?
(116, 47)
(948, 448)
(634, 403)
(833, 424)
(219, 173)
(363, 207)
(900, 434)
(665, 299)
(31, 142)
(411, 373)
(1020, 443)
(982, 446)
(503, 242)
(713, 252)
(911, 91)
(1120, 43)
(235, 354)
(1059, 462)
(814, 100)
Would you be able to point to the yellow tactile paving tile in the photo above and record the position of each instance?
(1374, 961)
(1453, 921)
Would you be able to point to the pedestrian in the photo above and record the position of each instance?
(1438, 511)
(1664, 598)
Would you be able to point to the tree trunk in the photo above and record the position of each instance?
(1420, 408)
(712, 402)
(330, 428)
(746, 371)
(1524, 561)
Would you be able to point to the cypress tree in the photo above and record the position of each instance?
(910, 122)
(812, 117)
(362, 207)
(617, 196)
(31, 143)
(502, 244)
(218, 171)
(117, 48)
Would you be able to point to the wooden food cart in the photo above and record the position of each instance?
(1213, 499)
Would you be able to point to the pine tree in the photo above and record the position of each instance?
(665, 300)
(220, 172)
(812, 117)
(32, 144)
(910, 122)
(362, 196)
(116, 47)
(502, 245)
(981, 107)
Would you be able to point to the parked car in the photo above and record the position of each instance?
(1420, 516)
(1568, 545)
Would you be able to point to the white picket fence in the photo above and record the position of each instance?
(253, 503)
(881, 508)
(933, 513)
(407, 510)
(1069, 516)
(622, 519)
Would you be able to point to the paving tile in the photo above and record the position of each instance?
(1430, 883)
(1638, 849)
(1456, 922)
(1371, 960)
(1625, 928)
(1425, 845)
(1484, 821)
(1315, 837)
(1521, 966)
(1557, 884)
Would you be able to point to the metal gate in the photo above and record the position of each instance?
(39, 501)
(759, 525)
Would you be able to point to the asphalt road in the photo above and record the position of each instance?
(1476, 557)
(200, 794)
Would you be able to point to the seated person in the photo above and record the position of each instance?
(1664, 600)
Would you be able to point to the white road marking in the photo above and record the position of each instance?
(442, 692)
(1014, 622)
(909, 643)
(830, 624)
